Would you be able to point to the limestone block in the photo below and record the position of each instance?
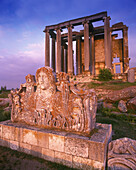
(75, 146)
(131, 75)
(63, 158)
(8, 132)
(14, 145)
(36, 151)
(29, 137)
(43, 139)
(97, 151)
(83, 163)
(56, 142)
(48, 154)
(25, 148)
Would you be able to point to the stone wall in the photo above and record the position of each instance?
(61, 147)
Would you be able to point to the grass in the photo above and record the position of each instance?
(12, 159)
(122, 125)
(110, 85)
(4, 115)
(4, 94)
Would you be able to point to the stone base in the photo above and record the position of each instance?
(61, 147)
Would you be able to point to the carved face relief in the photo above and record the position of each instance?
(43, 81)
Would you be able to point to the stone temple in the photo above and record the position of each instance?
(96, 47)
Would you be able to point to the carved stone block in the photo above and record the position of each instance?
(54, 105)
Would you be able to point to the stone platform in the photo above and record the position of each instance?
(61, 147)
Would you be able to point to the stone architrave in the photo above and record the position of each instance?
(70, 50)
(86, 46)
(58, 51)
(47, 48)
(60, 105)
(122, 154)
(107, 43)
(131, 75)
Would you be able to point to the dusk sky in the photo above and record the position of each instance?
(22, 23)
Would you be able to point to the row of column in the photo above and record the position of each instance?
(89, 58)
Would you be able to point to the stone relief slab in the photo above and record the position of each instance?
(122, 154)
(54, 105)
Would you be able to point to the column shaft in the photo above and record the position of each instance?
(86, 46)
(107, 43)
(47, 48)
(70, 50)
(92, 58)
(62, 58)
(78, 55)
(125, 49)
(58, 51)
(53, 53)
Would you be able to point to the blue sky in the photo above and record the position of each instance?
(21, 30)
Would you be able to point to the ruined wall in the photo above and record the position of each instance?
(99, 52)
(117, 48)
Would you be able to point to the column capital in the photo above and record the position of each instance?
(69, 26)
(58, 28)
(104, 18)
(85, 22)
(46, 30)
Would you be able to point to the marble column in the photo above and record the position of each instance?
(78, 55)
(62, 58)
(125, 49)
(53, 53)
(47, 48)
(92, 58)
(58, 51)
(107, 43)
(70, 50)
(65, 59)
(86, 46)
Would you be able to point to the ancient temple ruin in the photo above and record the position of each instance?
(96, 47)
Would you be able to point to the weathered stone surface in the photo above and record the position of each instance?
(132, 104)
(122, 106)
(48, 154)
(47, 104)
(122, 154)
(123, 94)
(83, 163)
(36, 151)
(8, 132)
(30, 137)
(63, 158)
(76, 147)
(56, 142)
(14, 145)
(25, 148)
(131, 75)
(67, 148)
(43, 140)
